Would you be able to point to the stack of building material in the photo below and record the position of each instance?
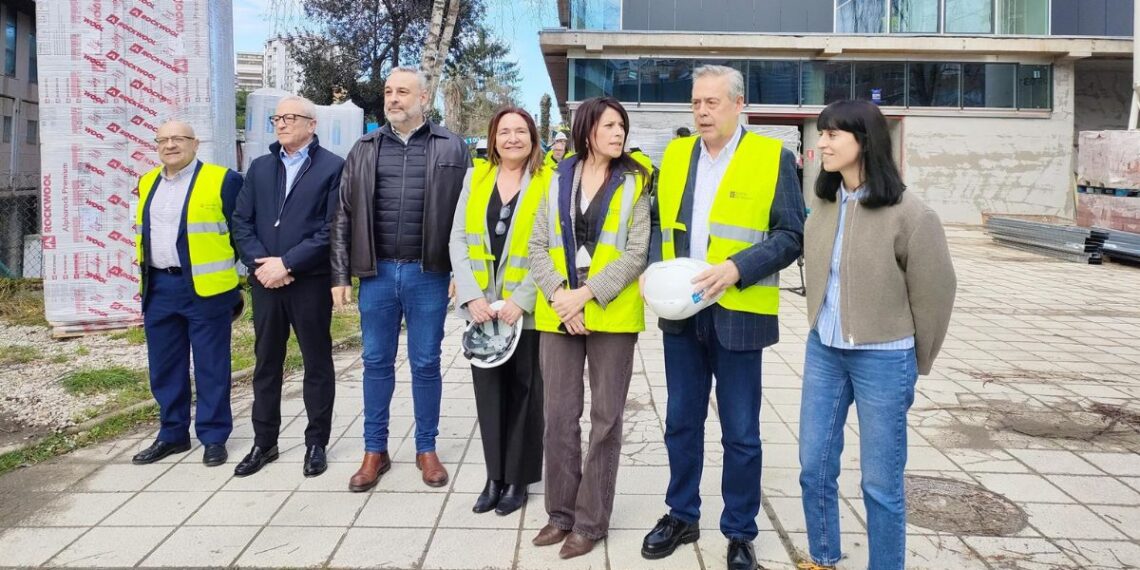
(1122, 246)
(110, 72)
(1072, 243)
(1108, 180)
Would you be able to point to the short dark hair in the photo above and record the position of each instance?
(534, 163)
(881, 179)
(586, 119)
(683, 131)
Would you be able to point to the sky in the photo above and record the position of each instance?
(516, 22)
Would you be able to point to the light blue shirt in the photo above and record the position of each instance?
(830, 324)
(293, 165)
(710, 172)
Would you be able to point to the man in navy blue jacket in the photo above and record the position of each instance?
(281, 226)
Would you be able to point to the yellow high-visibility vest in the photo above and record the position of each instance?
(483, 262)
(739, 215)
(642, 159)
(212, 261)
(626, 313)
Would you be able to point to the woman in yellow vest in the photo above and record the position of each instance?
(489, 258)
(588, 249)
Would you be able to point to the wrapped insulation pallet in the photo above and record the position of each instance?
(111, 72)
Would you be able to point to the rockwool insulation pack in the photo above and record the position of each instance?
(111, 72)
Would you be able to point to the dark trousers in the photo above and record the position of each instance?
(580, 497)
(508, 399)
(174, 323)
(306, 306)
(692, 358)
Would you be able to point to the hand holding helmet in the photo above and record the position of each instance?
(679, 288)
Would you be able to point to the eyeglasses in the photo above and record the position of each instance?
(177, 139)
(504, 215)
(287, 119)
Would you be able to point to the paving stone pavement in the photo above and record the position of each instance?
(1029, 399)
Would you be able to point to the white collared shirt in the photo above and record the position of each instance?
(166, 204)
(710, 171)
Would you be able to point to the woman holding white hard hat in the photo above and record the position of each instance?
(495, 293)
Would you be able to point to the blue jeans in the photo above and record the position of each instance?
(691, 360)
(399, 290)
(881, 383)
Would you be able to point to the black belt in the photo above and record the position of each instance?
(169, 270)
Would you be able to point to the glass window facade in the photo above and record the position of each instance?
(595, 14)
(666, 80)
(881, 83)
(10, 42)
(860, 16)
(774, 82)
(1023, 17)
(935, 84)
(824, 82)
(969, 16)
(914, 16)
(1034, 87)
(596, 77)
(914, 84)
(989, 85)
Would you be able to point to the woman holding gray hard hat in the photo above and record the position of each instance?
(496, 295)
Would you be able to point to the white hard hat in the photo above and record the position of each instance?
(481, 145)
(634, 143)
(492, 343)
(669, 288)
(559, 136)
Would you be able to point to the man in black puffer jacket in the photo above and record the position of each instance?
(281, 227)
(393, 223)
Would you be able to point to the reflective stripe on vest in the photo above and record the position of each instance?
(739, 215)
(479, 253)
(212, 265)
(626, 312)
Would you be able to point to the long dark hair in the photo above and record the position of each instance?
(586, 119)
(534, 162)
(881, 179)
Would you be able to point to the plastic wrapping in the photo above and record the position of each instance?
(338, 126)
(111, 72)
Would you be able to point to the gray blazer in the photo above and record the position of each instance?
(609, 282)
(466, 288)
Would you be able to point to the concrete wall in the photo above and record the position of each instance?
(1103, 93)
(964, 167)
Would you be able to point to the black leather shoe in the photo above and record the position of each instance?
(158, 450)
(256, 459)
(514, 497)
(489, 498)
(669, 533)
(740, 555)
(315, 460)
(215, 455)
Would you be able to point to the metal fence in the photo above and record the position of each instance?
(20, 251)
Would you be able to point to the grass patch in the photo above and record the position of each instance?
(134, 335)
(125, 386)
(15, 354)
(60, 443)
(22, 302)
(103, 380)
(82, 351)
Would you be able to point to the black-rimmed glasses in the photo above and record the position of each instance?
(504, 215)
(288, 119)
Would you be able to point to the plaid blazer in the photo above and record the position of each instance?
(738, 330)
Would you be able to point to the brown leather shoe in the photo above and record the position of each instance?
(576, 545)
(373, 466)
(435, 474)
(549, 535)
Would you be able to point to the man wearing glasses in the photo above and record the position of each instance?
(393, 223)
(281, 227)
(189, 291)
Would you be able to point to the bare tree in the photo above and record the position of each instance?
(444, 14)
